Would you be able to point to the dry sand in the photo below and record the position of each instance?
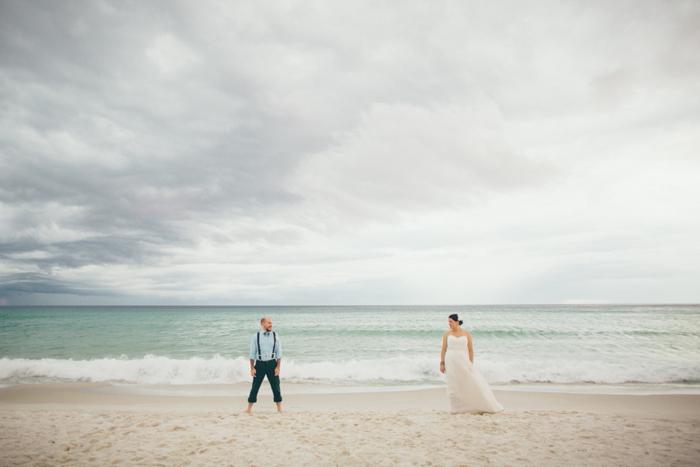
(88, 424)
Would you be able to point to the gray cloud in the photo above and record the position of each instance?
(28, 284)
(174, 138)
(76, 254)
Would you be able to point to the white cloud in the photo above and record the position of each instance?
(170, 54)
(405, 159)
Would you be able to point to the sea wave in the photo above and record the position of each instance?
(153, 369)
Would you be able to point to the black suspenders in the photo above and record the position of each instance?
(274, 343)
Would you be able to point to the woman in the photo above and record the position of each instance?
(467, 390)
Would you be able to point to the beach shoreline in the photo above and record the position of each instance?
(86, 424)
(313, 398)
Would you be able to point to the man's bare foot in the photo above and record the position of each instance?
(250, 406)
(279, 407)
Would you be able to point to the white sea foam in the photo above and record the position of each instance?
(398, 370)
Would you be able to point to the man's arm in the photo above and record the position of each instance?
(279, 360)
(253, 353)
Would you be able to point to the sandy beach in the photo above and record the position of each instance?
(91, 424)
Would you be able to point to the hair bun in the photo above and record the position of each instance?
(461, 322)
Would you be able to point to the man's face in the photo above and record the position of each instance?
(267, 325)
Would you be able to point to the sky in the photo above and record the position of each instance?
(349, 153)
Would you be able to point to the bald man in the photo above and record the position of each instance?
(265, 360)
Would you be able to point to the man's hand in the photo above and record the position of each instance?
(277, 371)
(252, 372)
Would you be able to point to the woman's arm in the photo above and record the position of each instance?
(471, 349)
(442, 353)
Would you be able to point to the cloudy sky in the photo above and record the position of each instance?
(379, 152)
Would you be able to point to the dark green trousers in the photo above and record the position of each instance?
(263, 369)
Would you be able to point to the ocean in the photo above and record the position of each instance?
(648, 348)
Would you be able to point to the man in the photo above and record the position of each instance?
(265, 360)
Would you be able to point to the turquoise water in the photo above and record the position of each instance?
(650, 345)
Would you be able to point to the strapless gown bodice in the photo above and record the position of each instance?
(457, 343)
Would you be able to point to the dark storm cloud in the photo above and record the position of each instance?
(76, 254)
(28, 284)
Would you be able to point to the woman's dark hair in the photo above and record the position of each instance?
(454, 317)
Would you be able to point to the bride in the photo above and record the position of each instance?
(467, 390)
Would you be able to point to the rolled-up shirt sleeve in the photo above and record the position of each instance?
(278, 350)
(253, 348)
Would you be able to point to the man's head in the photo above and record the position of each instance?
(266, 324)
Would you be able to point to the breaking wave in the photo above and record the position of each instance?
(402, 370)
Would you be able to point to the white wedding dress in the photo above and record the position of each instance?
(467, 390)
